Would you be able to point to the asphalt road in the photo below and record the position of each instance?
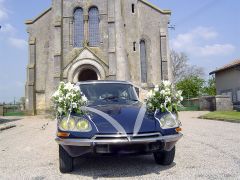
(208, 150)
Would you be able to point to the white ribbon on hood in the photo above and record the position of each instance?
(112, 121)
(139, 119)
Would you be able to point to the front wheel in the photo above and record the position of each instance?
(164, 157)
(65, 161)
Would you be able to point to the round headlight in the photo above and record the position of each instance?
(83, 125)
(168, 121)
(67, 125)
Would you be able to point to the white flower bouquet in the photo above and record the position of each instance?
(164, 98)
(67, 99)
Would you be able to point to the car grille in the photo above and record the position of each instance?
(126, 137)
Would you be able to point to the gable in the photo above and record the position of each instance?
(28, 22)
(155, 7)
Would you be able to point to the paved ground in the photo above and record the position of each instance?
(208, 150)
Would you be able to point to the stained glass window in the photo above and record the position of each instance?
(94, 35)
(78, 27)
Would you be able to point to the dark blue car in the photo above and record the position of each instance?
(116, 123)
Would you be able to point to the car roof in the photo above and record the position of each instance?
(104, 82)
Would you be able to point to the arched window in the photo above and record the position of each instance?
(94, 35)
(78, 27)
(143, 58)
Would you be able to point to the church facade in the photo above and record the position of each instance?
(78, 40)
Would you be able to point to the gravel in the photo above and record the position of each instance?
(208, 150)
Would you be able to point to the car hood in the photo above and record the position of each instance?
(122, 118)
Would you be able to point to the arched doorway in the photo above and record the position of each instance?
(84, 70)
(87, 75)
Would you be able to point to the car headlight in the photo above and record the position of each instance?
(67, 125)
(169, 121)
(84, 125)
(75, 124)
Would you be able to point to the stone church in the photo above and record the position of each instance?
(79, 40)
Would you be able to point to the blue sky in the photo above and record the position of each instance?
(208, 31)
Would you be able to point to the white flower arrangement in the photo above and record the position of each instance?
(67, 99)
(164, 98)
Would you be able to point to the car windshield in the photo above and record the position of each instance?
(105, 92)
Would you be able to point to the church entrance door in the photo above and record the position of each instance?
(87, 75)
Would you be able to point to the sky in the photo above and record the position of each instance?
(208, 31)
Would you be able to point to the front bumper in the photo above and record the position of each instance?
(102, 144)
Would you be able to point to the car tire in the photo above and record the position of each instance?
(65, 161)
(164, 157)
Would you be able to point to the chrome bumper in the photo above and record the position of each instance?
(119, 139)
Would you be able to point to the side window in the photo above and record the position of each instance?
(143, 59)
(78, 27)
(133, 8)
(94, 34)
(124, 95)
(134, 46)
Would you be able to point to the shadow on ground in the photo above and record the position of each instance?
(116, 167)
(3, 120)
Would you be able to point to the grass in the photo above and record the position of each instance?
(14, 114)
(230, 116)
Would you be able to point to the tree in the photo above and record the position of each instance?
(179, 63)
(22, 103)
(181, 69)
(191, 86)
(210, 87)
(22, 100)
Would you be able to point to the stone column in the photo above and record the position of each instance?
(30, 86)
(121, 55)
(111, 40)
(57, 22)
(86, 40)
(164, 55)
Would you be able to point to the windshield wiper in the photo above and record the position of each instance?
(111, 98)
(132, 99)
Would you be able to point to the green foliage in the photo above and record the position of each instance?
(191, 86)
(189, 108)
(164, 98)
(195, 86)
(68, 98)
(210, 88)
(223, 115)
(14, 114)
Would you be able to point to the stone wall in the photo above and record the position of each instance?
(215, 103)
(142, 94)
(223, 103)
(207, 103)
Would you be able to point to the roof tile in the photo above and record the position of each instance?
(227, 66)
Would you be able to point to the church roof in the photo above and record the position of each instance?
(155, 7)
(227, 66)
(28, 22)
(38, 17)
